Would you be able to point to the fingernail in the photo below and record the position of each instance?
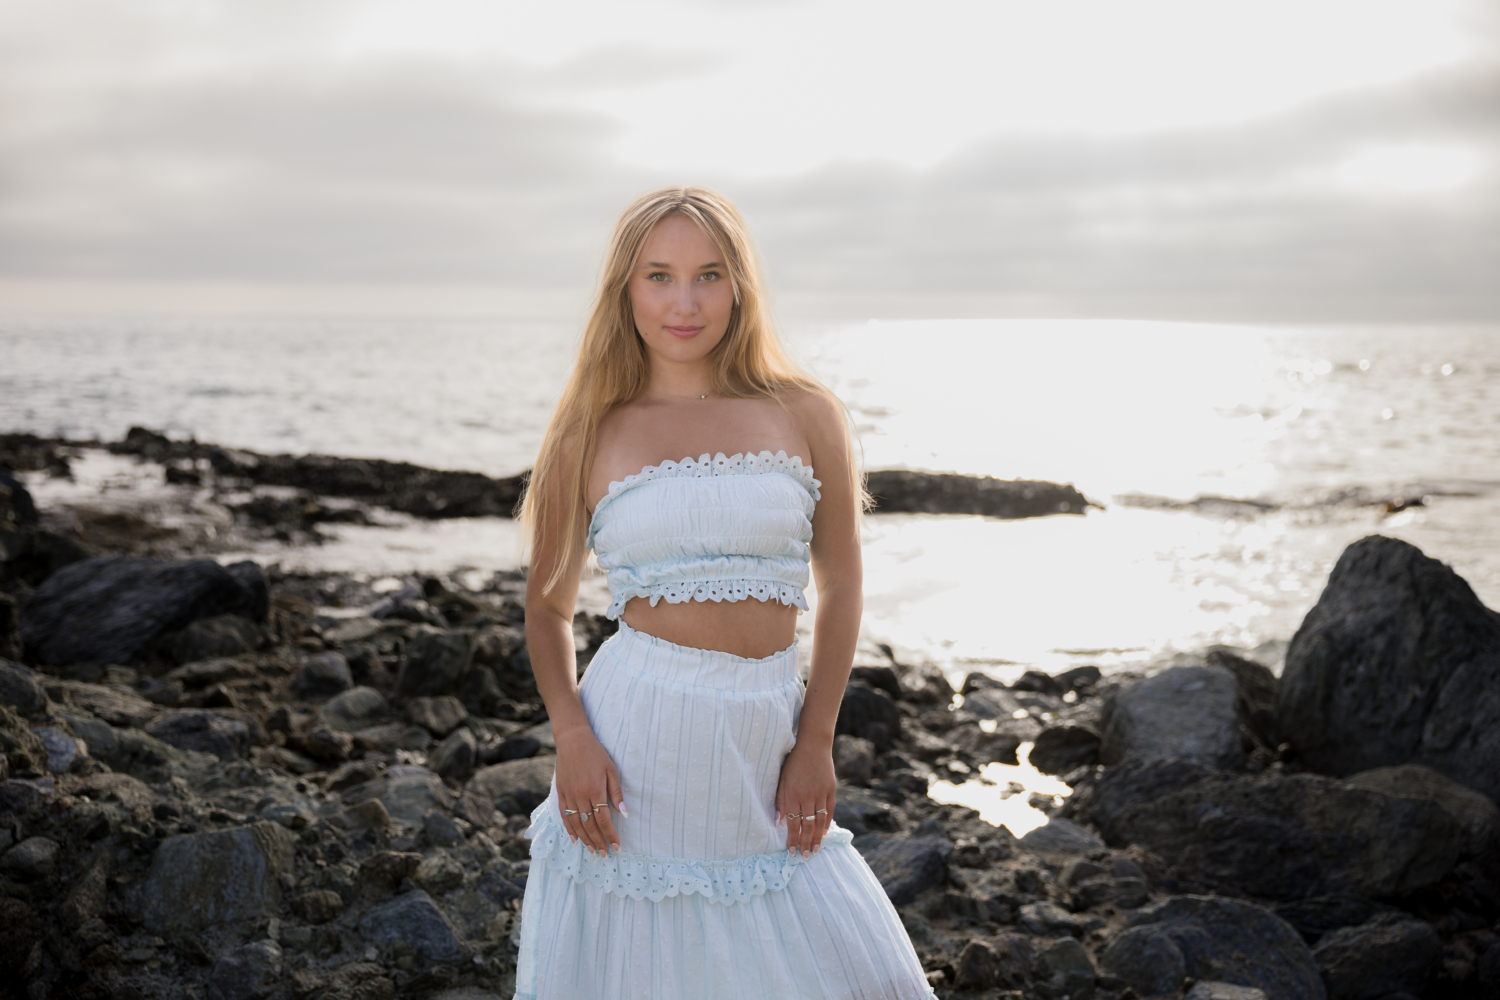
(815, 848)
(621, 806)
(572, 838)
(615, 846)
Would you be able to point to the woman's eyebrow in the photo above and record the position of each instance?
(701, 267)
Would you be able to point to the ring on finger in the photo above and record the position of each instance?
(600, 805)
(570, 812)
(821, 812)
(809, 819)
(587, 815)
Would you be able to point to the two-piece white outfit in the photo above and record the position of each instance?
(703, 901)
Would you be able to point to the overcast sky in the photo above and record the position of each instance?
(1263, 160)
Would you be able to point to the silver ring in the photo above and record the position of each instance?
(601, 805)
(809, 819)
(820, 812)
(570, 812)
(587, 815)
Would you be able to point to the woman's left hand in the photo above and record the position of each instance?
(808, 787)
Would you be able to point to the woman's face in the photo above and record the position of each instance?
(680, 293)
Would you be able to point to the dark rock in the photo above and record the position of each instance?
(1487, 971)
(30, 860)
(1006, 961)
(1059, 839)
(853, 759)
(22, 932)
(1079, 678)
(1277, 836)
(999, 746)
(441, 830)
(200, 879)
(901, 491)
(414, 918)
(1255, 690)
(330, 745)
(906, 867)
(324, 675)
(10, 627)
(115, 705)
(1035, 680)
(880, 678)
(111, 609)
(356, 709)
(436, 662)
(407, 797)
(990, 701)
(318, 906)
(87, 899)
(499, 890)
(1049, 920)
(1065, 748)
(1476, 814)
(515, 748)
(19, 689)
(523, 781)
(1069, 967)
(1208, 990)
(438, 872)
(1186, 713)
(249, 972)
(201, 730)
(868, 714)
(439, 716)
(1390, 953)
(1397, 663)
(220, 636)
(475, 810)
(455, 757)
(383, 871)
(1212, 938)
(62, 749)
(1315, 916)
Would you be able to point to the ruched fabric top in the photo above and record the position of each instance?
(710, 529)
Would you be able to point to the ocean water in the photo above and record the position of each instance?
(1304, 421)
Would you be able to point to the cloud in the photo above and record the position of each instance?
(276, 165)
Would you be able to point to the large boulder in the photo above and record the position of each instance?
(907, 867)
(1397, 663)
(1390, 953)
(113, 608)
(870, 714)
(414, 918)
(200, 879)
(437, 661)
(1064, 748)
(525, 782)
(1276, 836)
(1215, 939)
(1187, 713)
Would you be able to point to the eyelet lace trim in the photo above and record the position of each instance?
(682, 591)
(638, 876)
(738, 464)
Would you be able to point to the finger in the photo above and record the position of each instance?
(804, 839)
(820, 828)
(606, 824)
(593, 825)
(615, 793)
(570, 823)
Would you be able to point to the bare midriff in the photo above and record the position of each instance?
(750, 628)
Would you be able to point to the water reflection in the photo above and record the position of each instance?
(1002, 793)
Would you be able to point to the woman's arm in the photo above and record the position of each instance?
(808, 781)
(585, 774)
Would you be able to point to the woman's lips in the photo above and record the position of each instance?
(684, 331)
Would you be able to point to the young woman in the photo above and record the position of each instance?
(679, 853)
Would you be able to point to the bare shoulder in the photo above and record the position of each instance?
(819, 417)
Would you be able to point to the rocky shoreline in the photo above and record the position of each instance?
(231, 782)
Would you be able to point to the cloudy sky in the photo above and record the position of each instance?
(1306, 160)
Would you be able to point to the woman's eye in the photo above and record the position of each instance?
(709, 276)
(657, 276)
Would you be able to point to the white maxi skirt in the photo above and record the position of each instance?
(703, 901)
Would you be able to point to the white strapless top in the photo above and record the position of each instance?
(710, 529)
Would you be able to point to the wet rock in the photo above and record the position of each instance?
(249, 972)
(329, 745)
(324, 675)
(1069, 967)
(524, 782)
(1223, 991)
(906, 867)
(438, 873)
(436, 662)
(211, 638)
(1186, 713)
(439, 716)
(1277, 836)
(853, 759)
(455, 757)
(414, 918)
(1006, 961)
(318, 906)
(868, 714)
(19, 689)
(203, 731)
(356, 709)
(1065, 748)
(999, 747)
(989, 700)
(1397, 663)
(113, 608)
(1255, 691)
(1216, 939)
(30, 860)
(1060, 839)
(407, 797)
(61, 749)
(1476, 814)
(197, 880)
(1392, 952)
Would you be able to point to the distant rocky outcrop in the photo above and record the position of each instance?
(898, 491)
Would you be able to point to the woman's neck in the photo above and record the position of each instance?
(678, 381)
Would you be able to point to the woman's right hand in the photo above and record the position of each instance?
(588, 784)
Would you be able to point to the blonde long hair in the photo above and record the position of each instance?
(612, 367)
